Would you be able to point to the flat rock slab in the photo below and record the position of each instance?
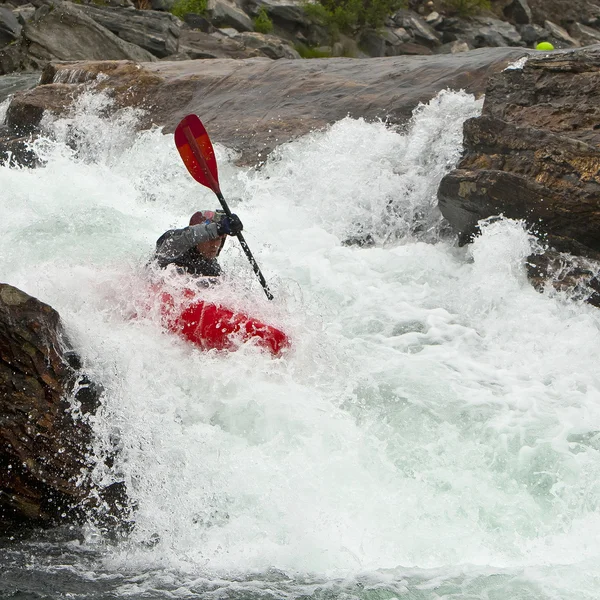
(256, 104)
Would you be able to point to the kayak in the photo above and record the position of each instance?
(211, 326)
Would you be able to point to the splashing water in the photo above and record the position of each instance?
(433, 433)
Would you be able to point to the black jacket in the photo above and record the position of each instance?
(178, 247)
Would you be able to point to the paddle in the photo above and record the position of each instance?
(196, 151)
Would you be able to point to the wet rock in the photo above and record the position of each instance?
(534, 154)
(44, 403)
(257, 104)
(157, 32)
(577, 277)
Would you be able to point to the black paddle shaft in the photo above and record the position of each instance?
(214, 185)
(246, 250)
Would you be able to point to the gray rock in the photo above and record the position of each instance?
(421, 31)
(10, 28)
(433, 19)
(533, 33)
(561, 36)
(65, 32)
(587, 35)
(225, 14)
(257, 104)
(285, 13)
(453, 47)
(493, 32)
(373, 43)
(24, 13)
(198, 44)
(157, 32)
(196, 21)
(402, 34)
(164, 5)
(519, 12)
(270, 45)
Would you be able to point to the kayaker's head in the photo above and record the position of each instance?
(211, 248)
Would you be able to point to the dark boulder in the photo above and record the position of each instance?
(45, 402)
(534, 154)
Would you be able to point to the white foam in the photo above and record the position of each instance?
(436, 412)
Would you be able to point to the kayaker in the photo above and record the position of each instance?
(194, 249)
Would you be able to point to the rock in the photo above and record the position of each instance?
(564, 13)
(199, 22)
(291, 21)
(434, 19)
(518, 12)
(421, 31)
(156, 32)
(10, 28)
(164, 5)
(453, 47)
(225, 14)
(401, 34)
(268, 45)
(372, 43)
(534, 154)
(24, 13)
(533, 33)
(560, 37)
(586, 35)
(44, 437)
(493, 32)
(409, 48)
(197, 44)
(63, 32)
(576, 276)
(257, 104)
(287, 14)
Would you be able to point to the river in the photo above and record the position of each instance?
(432, 434)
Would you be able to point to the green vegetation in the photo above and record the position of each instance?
(307, 52)
(466, 8)
(349, 16)
(182, 7)
(262, 22)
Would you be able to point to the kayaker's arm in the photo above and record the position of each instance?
(176, 242)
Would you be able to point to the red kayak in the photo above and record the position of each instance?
(213, 327)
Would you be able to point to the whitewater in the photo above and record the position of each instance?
(433, 433)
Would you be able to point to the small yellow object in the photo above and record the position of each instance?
(544, 46)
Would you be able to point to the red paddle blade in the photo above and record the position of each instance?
(196, 151)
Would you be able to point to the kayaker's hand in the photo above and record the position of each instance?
(229, 225)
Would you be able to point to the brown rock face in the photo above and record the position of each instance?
(256, 104)
(534, 154)
(43, 445)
